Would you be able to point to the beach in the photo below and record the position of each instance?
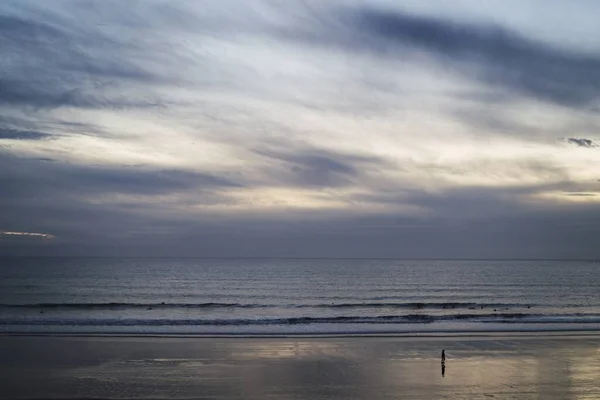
(500, 366)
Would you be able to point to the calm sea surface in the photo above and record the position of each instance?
(295, 296)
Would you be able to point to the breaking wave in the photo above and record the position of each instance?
(379, 319)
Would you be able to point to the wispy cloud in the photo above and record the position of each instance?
(492, 54)
(60, 61)
(27, 234)
(16, 134)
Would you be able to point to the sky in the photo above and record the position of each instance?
(234, 128)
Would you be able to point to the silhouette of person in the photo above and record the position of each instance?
(443, 356)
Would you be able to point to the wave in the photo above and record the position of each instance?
(421, 305)
(88, 306)
(380, 319)
(211, 305)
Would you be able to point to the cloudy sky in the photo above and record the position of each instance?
(300, 128)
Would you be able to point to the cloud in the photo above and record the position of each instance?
(305, 167)
(282, 129)
(26, 235)
(99, 205)
(139, 180)
(24, 178)
(582, 142)
(16, 134)
(494, 55)
(61, 62)
(77, 60)
(17, 29)
(52, 93)
(499, 221)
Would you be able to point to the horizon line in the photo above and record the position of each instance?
(320, 258)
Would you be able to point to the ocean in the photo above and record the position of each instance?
(189, 296)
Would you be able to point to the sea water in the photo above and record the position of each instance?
(295, 296)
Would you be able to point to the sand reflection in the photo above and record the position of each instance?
(340, 368)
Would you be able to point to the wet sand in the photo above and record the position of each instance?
(500, 367)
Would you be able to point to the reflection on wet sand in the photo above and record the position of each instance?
(337, 368)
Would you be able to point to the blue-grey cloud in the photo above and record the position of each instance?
(16, 134)
(48, 92)
(54, 180)
(509, 59)
(136, 180)
(65, 63)
(495, 55)
(316, 168)
(55, 63)
(20, 30)
(69, 200)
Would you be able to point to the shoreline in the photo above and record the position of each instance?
(417, 335)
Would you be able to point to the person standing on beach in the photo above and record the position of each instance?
(443, 363)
